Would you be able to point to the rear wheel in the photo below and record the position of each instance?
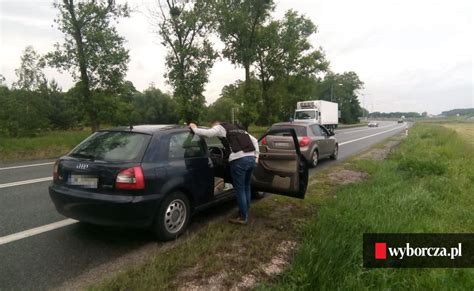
(313, 162)
(172, 217)
(335, 153)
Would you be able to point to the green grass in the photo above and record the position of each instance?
(49, 145)
(425, 186)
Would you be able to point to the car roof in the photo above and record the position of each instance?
(147, 128)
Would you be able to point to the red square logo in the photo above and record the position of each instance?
(380, 251)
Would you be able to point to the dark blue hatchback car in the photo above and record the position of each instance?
(156, 176)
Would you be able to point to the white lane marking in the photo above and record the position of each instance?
(19, 183)
(371, 128)
(26, 166)
(368, 136)
(36, 231)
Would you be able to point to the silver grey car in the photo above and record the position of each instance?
(316, 141)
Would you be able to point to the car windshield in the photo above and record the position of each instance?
(309, 114)
(300, 130)
(113, 146)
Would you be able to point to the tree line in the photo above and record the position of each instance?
(280, 67)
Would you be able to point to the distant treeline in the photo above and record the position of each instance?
(394, 114)
(461, 112)
(28, 112)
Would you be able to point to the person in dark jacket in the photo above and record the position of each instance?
(243, 159)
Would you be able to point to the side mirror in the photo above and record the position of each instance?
(331, 132)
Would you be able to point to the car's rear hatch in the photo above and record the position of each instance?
(284, 141)
(96, 162)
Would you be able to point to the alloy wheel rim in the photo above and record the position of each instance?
(175, 216)
(315, 158)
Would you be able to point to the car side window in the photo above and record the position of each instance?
(324, 131)
(316, 130)
(185, 145)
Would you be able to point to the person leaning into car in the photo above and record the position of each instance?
(242, 159)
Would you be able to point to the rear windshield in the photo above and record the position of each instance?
(300, 130)
(114, 146)
(310, 114)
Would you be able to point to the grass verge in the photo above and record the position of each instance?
(49, 145)
(425, 186)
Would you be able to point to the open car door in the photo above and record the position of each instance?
(281, 171)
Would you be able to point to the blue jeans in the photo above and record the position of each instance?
(241, 171)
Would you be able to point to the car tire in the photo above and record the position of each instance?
(172, 217)
(313, 161)
(257, 195)
(335, 153)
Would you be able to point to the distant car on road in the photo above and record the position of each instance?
(316, 141)
(156, 176)
(373, 124)
(400, 120)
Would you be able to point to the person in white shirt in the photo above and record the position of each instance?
(243, 159)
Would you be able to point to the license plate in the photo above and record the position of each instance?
(84, 181)
(282, 144)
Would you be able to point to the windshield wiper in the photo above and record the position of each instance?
(85, 156)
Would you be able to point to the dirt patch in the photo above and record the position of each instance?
(381, 153)
(220, 281)
(343, 177)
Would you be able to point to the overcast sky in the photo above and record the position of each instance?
(412, 55)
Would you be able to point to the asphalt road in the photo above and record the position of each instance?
(52, 257)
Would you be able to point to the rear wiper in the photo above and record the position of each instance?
(85, 156)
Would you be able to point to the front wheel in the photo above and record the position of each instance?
(172, 217)
(335, 153)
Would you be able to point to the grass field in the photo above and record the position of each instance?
(426, 186)
(49, 145)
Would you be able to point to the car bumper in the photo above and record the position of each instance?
(105, 209)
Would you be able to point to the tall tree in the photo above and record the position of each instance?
(29, 74)
(92, 51)
(286, 56)
(237, 25)
(343, 89)
(184, 27)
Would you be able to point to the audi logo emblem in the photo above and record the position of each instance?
(82, 166)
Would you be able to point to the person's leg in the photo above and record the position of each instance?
(250, 161)
(237, 170)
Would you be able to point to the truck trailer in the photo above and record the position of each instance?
(319, 111)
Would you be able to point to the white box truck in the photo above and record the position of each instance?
(323, 112)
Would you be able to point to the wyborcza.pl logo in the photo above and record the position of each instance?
(416, 250)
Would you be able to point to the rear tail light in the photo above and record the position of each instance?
(264, 141)
(304, 141)
(56, 171)
(130, 179)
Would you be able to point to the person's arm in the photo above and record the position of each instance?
(217, 130)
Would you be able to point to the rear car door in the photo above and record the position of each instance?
(320, 140)
(189, 160)
(281, 171)
(330, 142)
